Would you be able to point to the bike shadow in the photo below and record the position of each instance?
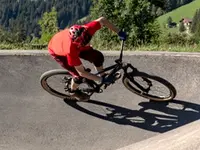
(153, 116)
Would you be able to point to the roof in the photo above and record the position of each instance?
(186, 20)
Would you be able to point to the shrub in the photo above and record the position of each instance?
(178, 39)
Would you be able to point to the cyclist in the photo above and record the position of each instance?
(71, 44)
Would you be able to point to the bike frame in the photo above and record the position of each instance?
(115, 68)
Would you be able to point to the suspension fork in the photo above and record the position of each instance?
(135, 71)
(125, 68)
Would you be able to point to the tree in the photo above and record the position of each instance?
(197, 32)
(182, 27)
(173, 4)
(195, 21)
(133, 15)
(195, 27)
(159, 12)
(169, 20)
(158, 3)
(49, 25)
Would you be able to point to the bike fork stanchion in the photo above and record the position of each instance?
(122, 48)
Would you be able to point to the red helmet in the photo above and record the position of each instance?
(79, 35)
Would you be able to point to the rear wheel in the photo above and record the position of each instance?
(148, 86)
(57, 82)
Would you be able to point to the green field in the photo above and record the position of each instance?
(186, 11)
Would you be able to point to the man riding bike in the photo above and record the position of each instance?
(69, 45)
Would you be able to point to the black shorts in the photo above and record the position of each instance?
(91, 55)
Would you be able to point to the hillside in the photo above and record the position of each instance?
(25, 14)
(186, 11)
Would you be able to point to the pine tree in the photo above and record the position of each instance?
(195, 21)
(182, 27)
(197, 26)
(169, 20)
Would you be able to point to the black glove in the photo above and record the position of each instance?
(122, 35)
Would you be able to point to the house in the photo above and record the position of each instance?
(187, 22)
(172, 25)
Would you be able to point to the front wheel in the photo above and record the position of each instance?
(149, 86)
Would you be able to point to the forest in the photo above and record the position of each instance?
(24, 14)
(173, 4)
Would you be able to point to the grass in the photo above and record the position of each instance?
(111, 47)
(153, 47)
(169, 48)
(186, 11)
(27, 46)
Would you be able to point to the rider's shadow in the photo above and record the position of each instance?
(152, 116)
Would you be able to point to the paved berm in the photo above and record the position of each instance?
(32, 119)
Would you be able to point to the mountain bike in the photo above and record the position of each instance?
(148, 86)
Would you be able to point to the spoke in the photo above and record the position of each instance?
(60, 83)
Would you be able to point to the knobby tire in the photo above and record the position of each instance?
(127, 83)
(44, 83)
